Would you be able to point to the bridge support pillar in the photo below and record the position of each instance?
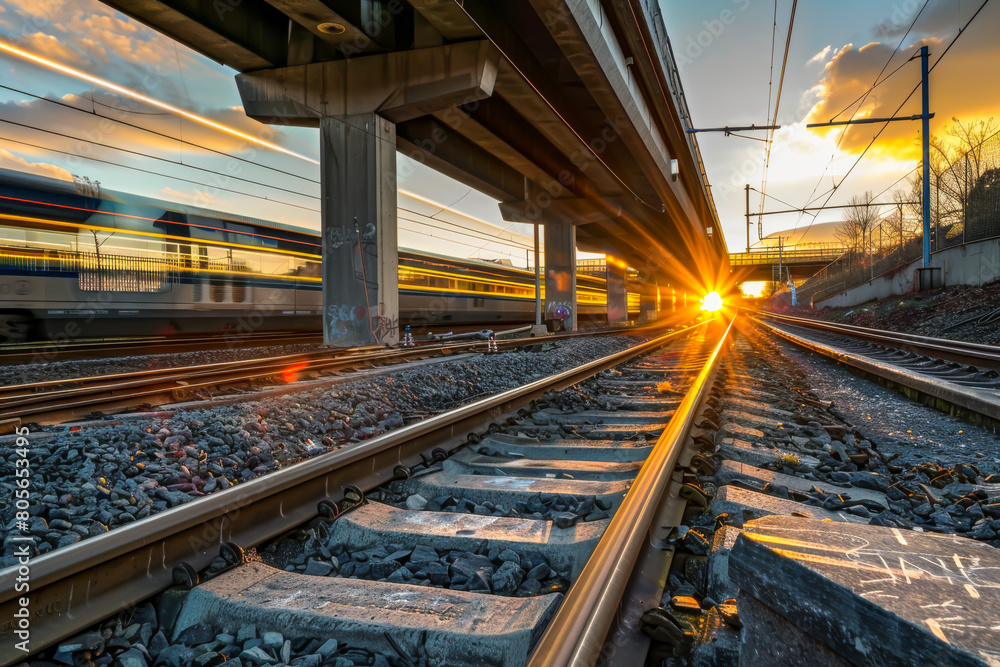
(648, 300)
(356, 104)
(360, 251)
(560, 272)
(617, 293)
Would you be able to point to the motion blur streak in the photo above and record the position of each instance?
(104, 83)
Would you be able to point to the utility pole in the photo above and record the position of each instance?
(538, 283)
(748, 217)
(926, 129)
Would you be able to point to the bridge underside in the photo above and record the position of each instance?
(768, 271)
(557, 108)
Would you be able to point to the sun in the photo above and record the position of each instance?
(711, 302)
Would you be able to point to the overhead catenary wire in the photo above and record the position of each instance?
(60, 103)
(552, 108)
(155, 157)
(860, 101)
(903, 103)
(777, 99)
(147, 171)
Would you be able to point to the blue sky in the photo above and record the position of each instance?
(56, 124)
(836, 51)
(724, 49)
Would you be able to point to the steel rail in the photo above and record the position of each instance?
(578, 631)
(953, 350)
(122, 390)
(77, 586)
(52, 350)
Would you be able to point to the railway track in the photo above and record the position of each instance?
(585, 470)
(684, 499)
(56, 400)
(957, 377)
(42, 351)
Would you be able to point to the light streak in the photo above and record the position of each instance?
(128, 92)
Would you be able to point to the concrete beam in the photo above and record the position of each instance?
(428, 141)
(574, 211)
(398, 86)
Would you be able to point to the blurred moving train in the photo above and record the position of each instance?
(78, 261)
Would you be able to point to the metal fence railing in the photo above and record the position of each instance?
(964, 207)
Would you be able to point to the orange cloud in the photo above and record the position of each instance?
(9, 160)
(956, 89)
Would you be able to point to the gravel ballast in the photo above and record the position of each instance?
(96, 478)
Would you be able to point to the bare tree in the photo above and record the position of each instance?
(958, 164)
(855, 232)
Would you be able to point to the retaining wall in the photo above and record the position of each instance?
(970, 264)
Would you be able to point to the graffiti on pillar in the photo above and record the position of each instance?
(344, 320)
(336, 236)
(384, 329)
(353, 321)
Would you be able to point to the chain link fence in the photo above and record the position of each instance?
(964, 207)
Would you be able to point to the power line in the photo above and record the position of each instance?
(915, 88)
(777, 99)
(864, 97)
(553, 109)
(147, 171)
(154, 157)
(154, 132)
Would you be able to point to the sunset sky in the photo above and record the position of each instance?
(836, 52)
(61, 123)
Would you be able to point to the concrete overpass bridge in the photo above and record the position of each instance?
(802, 261)
(569, 112)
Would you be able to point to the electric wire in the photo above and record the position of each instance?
(154, 132)
(886, 124)
(594, 153)
(777, 100)
(154, 157)
(147, 171)
(862, 99)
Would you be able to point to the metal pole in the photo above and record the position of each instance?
(538, 283)
(926, 129)
(780, 241)
(748, 217)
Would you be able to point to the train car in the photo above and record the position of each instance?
(80, 261)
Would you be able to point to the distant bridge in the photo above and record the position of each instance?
(803, 261)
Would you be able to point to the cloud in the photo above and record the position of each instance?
(821, 56)
(9, 160)
(939, 18)
(851, 72)
(91, 36)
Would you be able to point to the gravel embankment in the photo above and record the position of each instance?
(930, 314)
(90, 480)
